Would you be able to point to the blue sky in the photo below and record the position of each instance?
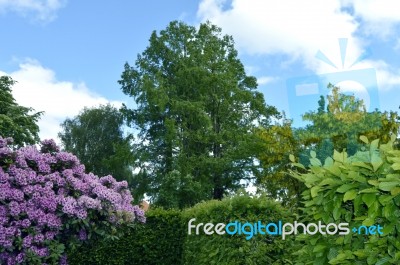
(66, 55)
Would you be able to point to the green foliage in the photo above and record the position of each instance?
(278, 142)
(16, 121)
(196, 111)
(96, 137)
(344, 120)
(235, 249)
(164, 239)
(363, 189)
(158, 241)
(177, 191)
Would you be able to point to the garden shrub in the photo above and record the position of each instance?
(158, 241)
(164, 239)
(363, 189)
(227, 249)
(48, 203)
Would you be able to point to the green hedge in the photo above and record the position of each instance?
(158, 241)
(235, 249)
(164, 238)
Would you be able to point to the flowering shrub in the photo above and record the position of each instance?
(47, 201)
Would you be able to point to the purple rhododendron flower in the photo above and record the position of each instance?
(43, 190)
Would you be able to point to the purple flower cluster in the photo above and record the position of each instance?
(43, 193)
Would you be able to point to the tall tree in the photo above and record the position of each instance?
(96, 137)
(196, 110)
(16, 121)
(278, 143)
(340, 125)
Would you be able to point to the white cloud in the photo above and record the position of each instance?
(263, 80)
(286, 26)
(372, 10)
(297, 29)
(37, 87)
(379, 17)
(43, 10)
(387, 76)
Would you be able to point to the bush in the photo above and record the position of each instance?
(236, 249)
(158, 241)
(48, 202)
(164, 239)
(363, 189)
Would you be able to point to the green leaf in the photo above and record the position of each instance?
(396, 166)
(364, 139)
(357, 204)
(395, 191)
(315, 162)
(346, 187)
(292, 158)
(368, 221)
(374, 145)
(334, 169)
(385, 199)
(383, 261)
(311, 178)
(328, 181)
(313, 154)
(356, 176)
(388, 186)
(361, 253)
(373, 182)
(376, 162)
(314, 191)
(350, 195)
(369, 190)
(338, 156)
(328, 161)
(336, 213)
(369, 198)
(388, 229)
(362, 164)
(319, 248)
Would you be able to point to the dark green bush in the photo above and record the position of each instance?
(235, 249)
(158, 241)
(164, 238)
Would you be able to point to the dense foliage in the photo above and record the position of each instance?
(278, 141)
(236, 249)
(363, 189)
(48, 202)
(164, 238)
(336, 125)
(196, 111)
(339, 124)
(16, 121)
(96, 137)
(158, 241)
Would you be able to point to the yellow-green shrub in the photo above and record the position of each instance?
(363, 189)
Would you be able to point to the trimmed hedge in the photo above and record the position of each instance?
(236, 249)
(158, 241)
(164, 238)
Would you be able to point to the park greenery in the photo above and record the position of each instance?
(195, 132)
(16, 121)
